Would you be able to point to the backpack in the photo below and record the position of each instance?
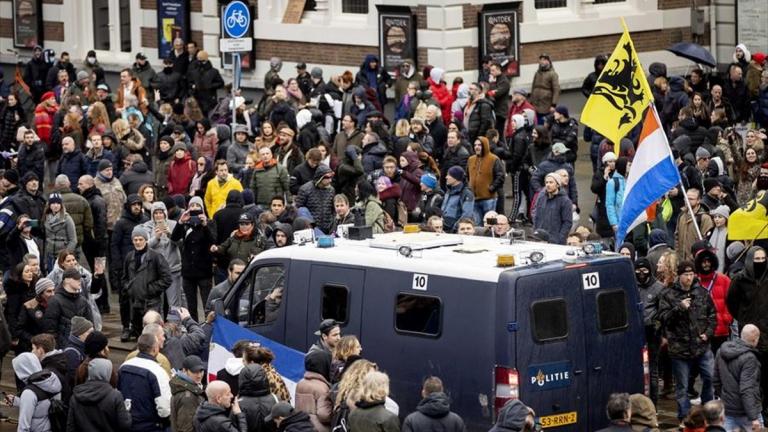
(339, 418)
(58, 411)
(389, 223)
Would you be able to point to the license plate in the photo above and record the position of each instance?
(556, 420)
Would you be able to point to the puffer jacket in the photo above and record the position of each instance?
(32, 159)
(61, 308)
(60, 233)
(717, 285)
(567, 132)
(318, 201)
(696, 133)
(459, 202)
(135, 177)
(683, 327)
(269, 180)
(373, 156)
(675, 99)
(206, 144)
(313, 398)
(434, 414)
(196, 259)
(213, 418)
(480, 118)
(73, 165)
(236, 155)
(550, 165)
(146, 284)
(554, 215)
(737, 379)
(96, 406)
(180, 173)
(545, 90)
(80, 212)
(746, 301)
(186, 397)
(410, 181)
(614, 197)
(373, 417)
(114, 198)
(256, 400)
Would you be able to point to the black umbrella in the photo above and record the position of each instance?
(694, 52)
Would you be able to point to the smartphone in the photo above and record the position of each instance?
(492, 221)
(33, 223)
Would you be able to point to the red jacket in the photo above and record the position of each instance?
(180, 173)
(717, 284)
(443, 96)
(44, 122)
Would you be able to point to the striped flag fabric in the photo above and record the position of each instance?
(652, 174)
(288, 362)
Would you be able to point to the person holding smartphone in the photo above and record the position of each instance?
(196, 238)
(160, 229)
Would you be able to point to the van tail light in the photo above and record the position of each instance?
(507, 386)
(646, 372)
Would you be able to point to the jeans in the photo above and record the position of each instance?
(682, 368)
(482, 207)
(732, 423)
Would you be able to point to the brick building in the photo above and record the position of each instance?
(337, 34)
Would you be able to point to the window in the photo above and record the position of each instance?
(612, 310)
(261, 296)
(354, 6)
(105, 33)
(418, 314)
(335, 303)
(549, 4)
(549, 320)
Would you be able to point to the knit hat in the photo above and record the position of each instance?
(104, 164)
(54, 198)
(721, 210)
(99, 369)
(133, 199)
(521, 91)
(79, 325)
(685, 267)
(609, 156)
(140, 231)
(556, 177)
(42, 285)
(710, 183)
(759, 58)
(288, 131)
(11, 176)
(95, 343)
(702, 153)
(47, 95)
(429, 180)
(457, 173)
(81, 75)
(248, 197)
(562, 110)
(734, 250)
(102, 86)
(196, 200)
(316, 72)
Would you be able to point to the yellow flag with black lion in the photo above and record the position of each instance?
(750, 222)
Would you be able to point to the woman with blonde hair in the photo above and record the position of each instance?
(347, 350)
(71, 128)
(371, 415)
(402, 130)
(98, 118)
(263, 357)
(666, 269)
(192, 110)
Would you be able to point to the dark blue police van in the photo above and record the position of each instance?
(560, 329)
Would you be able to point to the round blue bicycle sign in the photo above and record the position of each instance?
(237, 19)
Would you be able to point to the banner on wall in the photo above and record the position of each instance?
(246, 58)
(27, 23)
(499, 37)
(397, 36)
(172, 23)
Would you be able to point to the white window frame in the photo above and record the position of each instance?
(85, 37)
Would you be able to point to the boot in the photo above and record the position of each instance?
(125, 336)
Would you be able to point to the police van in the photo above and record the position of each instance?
(558, 327)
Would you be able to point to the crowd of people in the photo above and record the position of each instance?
(160, 191)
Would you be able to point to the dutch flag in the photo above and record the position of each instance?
(652, 174)
(288, 362)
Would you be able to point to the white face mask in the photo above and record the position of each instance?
(361, 105)
(91, 60)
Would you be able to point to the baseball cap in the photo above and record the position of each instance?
(141, 56)
(280, 409)
(193, 363)
(325, 326)
(559, 148)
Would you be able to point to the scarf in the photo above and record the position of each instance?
(717, 239)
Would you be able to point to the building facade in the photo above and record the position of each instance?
(337, 34)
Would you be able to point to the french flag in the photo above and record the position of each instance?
(652, 174)
(288, 362)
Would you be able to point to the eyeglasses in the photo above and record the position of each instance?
(201, 164)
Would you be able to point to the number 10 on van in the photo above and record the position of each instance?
(420, 281)
(590, 280)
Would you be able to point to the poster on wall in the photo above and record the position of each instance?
(27, 23)
(500, 38)
(752, 25)
(172, 23)
(246, 58)
(397, 36)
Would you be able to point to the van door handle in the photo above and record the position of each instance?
(578, 372)
(597, 368)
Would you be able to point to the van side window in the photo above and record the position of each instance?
(418, 314)
(612, 310)
(336, 303)
(261, 300)
(549, 320)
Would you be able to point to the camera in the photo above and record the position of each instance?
(194, 217)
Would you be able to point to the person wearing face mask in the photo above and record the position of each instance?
(650, 290)
(93, 67)
(747, 300)
(205, 82)
(716, 283)
(168, 83)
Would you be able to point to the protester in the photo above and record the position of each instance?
(433, 411)
(186, 393)
(95, 405)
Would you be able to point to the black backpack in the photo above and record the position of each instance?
(58, 411)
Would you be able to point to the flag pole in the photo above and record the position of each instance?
(690, 209)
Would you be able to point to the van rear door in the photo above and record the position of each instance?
(550, 347)
(335, 292)
(613, 334)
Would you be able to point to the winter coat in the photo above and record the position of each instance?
(297, 422)
(61, 308)
(206, 81)
(256, 400)
(319, 201)
(135, 177)
(170, 83)
(486, 174)
(554, 215)
(313, 398)
(349, 172)
(685, 234)
(459, 202)
(747, 300)
(239, 246)
(78, 208)
(180, 173)
(196, 259)
(163, 244)
(301, 175)
(567, 132)
(738, 95)
(97, 240)
(205, 144)
(186, 397)
(73, 165)
(455, 156)
(31, 205)
(373, 156)
(737, 379)
(60, 233)
(443, 96)
(11, 118)
(343, 140)
(675, 99)
(43, 125)
(93, 160)
(216, 193)
(146, 285)
(545, 90)
(236, 155)
(614, 197)
(717, 285)
(32, 159)
(682, 326)
(696, 133)
(227, 219)
(33, 413)
(761, 107)
(96, 406)
(213, 418)
(122, 242)
(479, 118)
(374, 214)
(30, 323)
(410, 181)
(161, 162)
(270, 180)
(433, 413)
(499, 95)
(142, 380)
(550, 165)
(373, 417)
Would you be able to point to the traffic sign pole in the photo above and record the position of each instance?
(237, 22)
